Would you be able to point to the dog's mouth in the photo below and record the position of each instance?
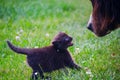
(70, 43)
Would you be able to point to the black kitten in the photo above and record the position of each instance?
(50, 58)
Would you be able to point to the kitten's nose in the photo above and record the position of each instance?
(90, 27)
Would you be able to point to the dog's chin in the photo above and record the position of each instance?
(70, 44)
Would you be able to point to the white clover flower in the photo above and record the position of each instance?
(88, 72)
(17, 37)
(21, 30)
(47, 35)
(77, 50)
(36, 46)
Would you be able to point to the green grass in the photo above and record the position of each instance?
(36, 22)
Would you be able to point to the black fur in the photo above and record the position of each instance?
(50, 58)
(105, 16)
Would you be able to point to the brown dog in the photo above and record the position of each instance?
(105, 16)
(50, 58)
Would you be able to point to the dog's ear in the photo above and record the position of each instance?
(56, 43)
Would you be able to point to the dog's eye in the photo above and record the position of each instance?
(67, 39)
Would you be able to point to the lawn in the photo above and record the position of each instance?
(34, 23)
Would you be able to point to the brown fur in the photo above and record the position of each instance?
(50, 58)
(105, 16)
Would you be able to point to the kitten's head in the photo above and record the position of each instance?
(62, 41)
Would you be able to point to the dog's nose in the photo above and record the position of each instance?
(90, 27)
(71, 38)
(68, 39)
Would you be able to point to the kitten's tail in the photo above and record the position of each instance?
(17, 49)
